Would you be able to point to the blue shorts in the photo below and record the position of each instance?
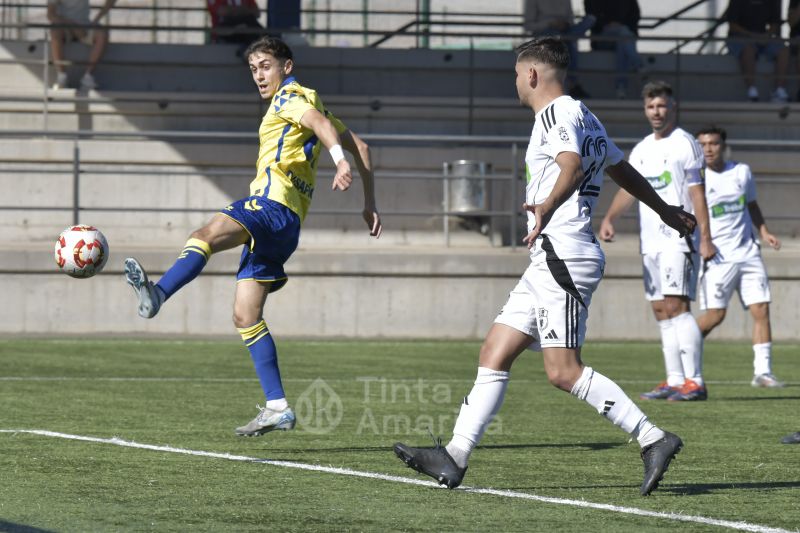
(770, 49)
(274, 232)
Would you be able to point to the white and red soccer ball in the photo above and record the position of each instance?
(81, 251)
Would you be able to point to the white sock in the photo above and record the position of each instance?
(690, 342)
(672, 353)
(762, 358)
(477, 411)
(277, 405)
(611, 402)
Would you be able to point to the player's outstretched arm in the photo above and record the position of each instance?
(622, 201)
(697, 193)
(568, 180)
(634, 183)
(760, 223)
(325, 132)
(361, 155)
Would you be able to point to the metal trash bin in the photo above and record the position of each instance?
(466, 189)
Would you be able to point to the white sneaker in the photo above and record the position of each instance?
(767, 381)
(88, 83)
(266, 421)
(150, 297)
(780, 96)
(752, 94)
(61, 81)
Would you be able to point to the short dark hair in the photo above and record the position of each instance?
(712, 129)
(654, 89)
(549, 50)
(269, 45)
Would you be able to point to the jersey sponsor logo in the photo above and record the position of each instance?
(551, 336)
(727, 208)
(300, 185)
(660, 182)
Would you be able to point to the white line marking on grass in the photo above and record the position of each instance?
(742, 526)
(309, 380)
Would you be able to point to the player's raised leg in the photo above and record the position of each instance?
(221, 233)
(248, 309)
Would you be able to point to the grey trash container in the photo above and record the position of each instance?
(468, 191)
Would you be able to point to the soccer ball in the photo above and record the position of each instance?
(81, 251)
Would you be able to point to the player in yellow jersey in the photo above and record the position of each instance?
(267, 223)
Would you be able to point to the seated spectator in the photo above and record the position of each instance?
(794, 33)
(238, 20)
(73, 17)
(754, 28)
(619, 21)
(554, 17)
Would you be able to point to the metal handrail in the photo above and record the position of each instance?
(80, 169)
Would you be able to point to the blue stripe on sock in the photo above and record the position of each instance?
(185, 269)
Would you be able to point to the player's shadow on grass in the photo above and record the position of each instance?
(760, 398)
(384, 449)
(11, 527)
(587, 445)
(708, 488)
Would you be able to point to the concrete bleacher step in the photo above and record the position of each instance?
(132, 111)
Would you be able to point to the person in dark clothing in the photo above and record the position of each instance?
(618, 21)
(754, 28)
(238, 20)
(793, 17)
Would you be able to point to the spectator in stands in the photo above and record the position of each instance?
(75, 25)
(555, 17)
(754, 28)
(617, 20)
(793, 16)
(238, 20)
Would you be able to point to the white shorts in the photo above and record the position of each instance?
(670, 274)
(720, 279)
(551, 302)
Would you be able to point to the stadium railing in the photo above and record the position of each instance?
(506, 185)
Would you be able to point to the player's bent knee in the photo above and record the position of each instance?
(244, 320)
(561, 378)
(716, 316)
(760, 311)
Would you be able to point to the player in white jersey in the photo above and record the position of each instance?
(733, 211)
(672, 162)
(548, 308)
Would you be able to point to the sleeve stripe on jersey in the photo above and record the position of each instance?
(549, 117)
(698, 152)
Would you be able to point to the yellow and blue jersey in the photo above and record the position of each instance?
(288, 153)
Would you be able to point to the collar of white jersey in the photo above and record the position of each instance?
(553, 101)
